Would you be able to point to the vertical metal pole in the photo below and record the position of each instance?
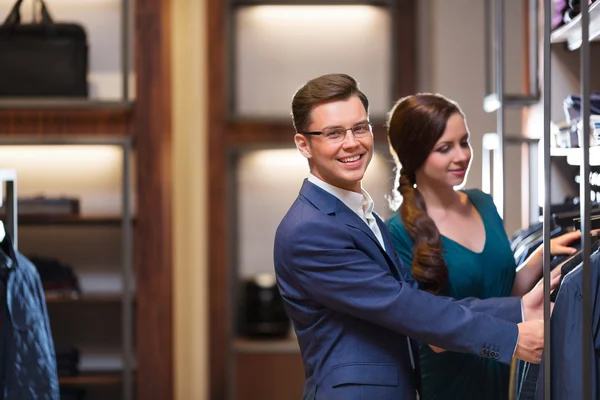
(127, 271)
(11, 211)
(487, 40)
(534, 178)
(584, 194)
(546, 220)
(534, 46)
(125, 37)
(499, 164)
(486, 168)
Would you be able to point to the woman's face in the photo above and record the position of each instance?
(449, 161)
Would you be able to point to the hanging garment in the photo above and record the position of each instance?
(566, 337)
(28, 359)
(527, 373)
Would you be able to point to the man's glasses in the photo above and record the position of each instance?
(338, 134)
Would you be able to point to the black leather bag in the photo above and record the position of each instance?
(44, 59)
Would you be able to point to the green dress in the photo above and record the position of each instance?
(491, 273)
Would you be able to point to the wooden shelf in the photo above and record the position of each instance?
(89, 298)
(574, 154)
(258, 133)
(65, 123)
(90, 379)
(46, 219)
(571, 32)
(63, 104)
(285, 345)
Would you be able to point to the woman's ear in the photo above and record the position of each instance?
(303, 145)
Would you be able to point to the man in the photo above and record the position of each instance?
(343, 286)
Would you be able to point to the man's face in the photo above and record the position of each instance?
(339, 163)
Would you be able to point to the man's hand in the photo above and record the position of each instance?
(533, 302)
(531, 341)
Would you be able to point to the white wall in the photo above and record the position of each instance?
(451, 43)
(190, 198)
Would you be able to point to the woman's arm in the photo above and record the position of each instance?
(530, 272)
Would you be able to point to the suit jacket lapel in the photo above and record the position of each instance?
(389, 247)
(331, 205)
(349, 217)
(387, 240)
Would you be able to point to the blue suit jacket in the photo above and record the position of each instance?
(567, 347)
(352, 308)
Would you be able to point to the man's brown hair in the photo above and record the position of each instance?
(323, 89)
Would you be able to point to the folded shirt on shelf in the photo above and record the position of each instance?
(58, 278)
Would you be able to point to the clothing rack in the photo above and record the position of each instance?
(584, 188)
(496, 101)
(10, 220)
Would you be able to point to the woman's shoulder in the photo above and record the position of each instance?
(478, 195)
(395, 221)
(480, 199)
(396, 227)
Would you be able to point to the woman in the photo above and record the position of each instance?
(453, 240)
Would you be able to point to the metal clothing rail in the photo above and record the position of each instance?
(10, 222)
(496, 101)
(584, 194)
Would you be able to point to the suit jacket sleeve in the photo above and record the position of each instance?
(331, 270)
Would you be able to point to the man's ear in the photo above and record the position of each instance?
(303, 145)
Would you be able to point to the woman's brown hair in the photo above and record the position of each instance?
(414, 126)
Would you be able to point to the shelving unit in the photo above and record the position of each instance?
(123, 301)
(124, 101)
(574, 155)
(564, 73)
(145, 119)
(571, 32)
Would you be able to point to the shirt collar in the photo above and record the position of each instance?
(367, 203)
(361, 203)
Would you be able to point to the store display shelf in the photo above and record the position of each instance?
(571, 32)
(285, 345)
(100, 378)
(85, 298)
(574, 155)
(67, 219)
(63, 103)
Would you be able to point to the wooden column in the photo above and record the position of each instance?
(152, 135)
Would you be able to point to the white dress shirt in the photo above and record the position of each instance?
(361, 203)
